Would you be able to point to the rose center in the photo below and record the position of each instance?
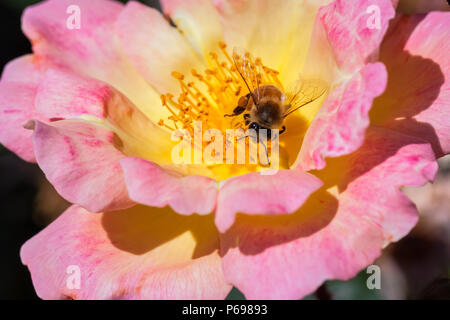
(206, 97)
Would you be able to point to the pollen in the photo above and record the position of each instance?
(215, 91)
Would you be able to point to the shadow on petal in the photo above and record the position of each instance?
(253, 234)
(141, 229)
(292, 139)
(414, 84)
(341, 171)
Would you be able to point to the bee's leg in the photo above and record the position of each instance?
(256, 139)
(241, 106)
(243, 137)
(240, 138)
(237, 111)
(283, 129)
(253, 137)
(247, 119)
(267, 154)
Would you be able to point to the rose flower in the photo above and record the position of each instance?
(97, 102)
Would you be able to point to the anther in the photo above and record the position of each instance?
(177, 75)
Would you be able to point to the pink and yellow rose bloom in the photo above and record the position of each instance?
(86, 106)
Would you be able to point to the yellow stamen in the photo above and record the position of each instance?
(214, 92)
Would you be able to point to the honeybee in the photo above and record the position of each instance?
(266, 105)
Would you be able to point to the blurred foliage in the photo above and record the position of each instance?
(19, 4)
(353, 289)
(235, 294)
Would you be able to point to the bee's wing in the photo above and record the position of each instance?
(250, 71)
(302, 92)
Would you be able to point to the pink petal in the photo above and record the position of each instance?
(150, 184)
(28, 65)
(16, 103)
(339, 126)
(154, 47)
(88, 49)
(417, 98)
(139, 253)
(18, 88)
(91, 50)
(66, 95)
(256, 194)
(339, 230)
(81, 162)
(350, 32)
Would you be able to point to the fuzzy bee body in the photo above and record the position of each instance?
(268, 114)
(266, 105)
